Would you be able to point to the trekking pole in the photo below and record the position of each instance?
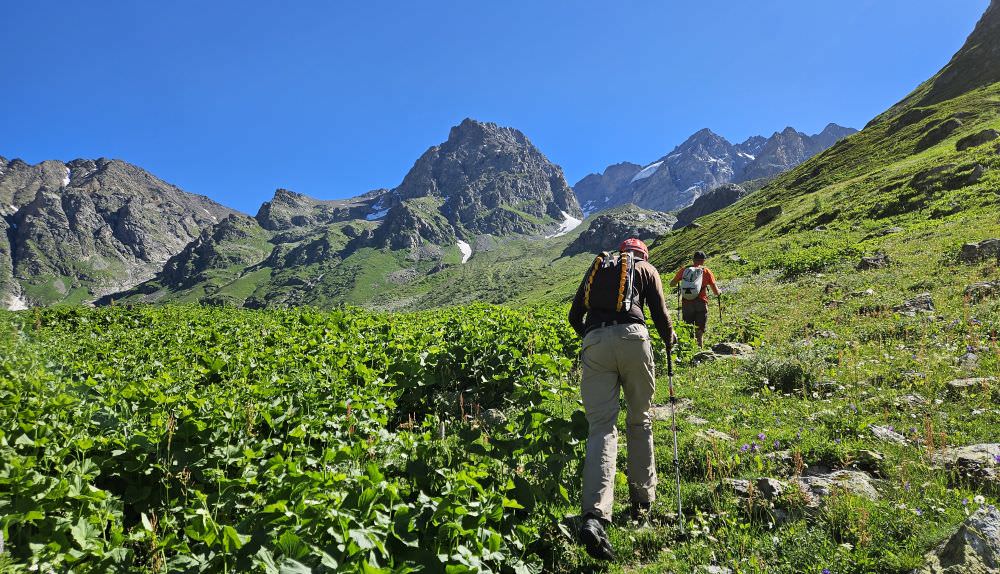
(678, 304)
(673, 424)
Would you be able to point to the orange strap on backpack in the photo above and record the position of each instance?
(590, 280)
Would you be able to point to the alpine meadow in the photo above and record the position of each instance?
(392, 382)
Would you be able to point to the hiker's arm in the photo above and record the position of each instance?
(715, 288)
(676, 279)
(576, 312)
(658, 309)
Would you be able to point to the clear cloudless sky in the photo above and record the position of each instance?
(234, 98)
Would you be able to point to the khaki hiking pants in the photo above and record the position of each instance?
(615, 359)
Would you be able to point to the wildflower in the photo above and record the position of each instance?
(761, 437)
(906, 485)
(777, 444)
(979, 499)
(744, 448)
(826, 571)
(965, 502)
(754, 447)
(918, 512)
(996, 458)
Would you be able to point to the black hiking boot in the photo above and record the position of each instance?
(640, 512)
(595, 539)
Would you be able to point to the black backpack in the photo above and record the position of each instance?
(609, 283)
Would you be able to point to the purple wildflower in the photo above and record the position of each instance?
(918, 511)
(906, 485)
(826, 571)
(754, 447)
(777, 444)
(744, 448)
(996, 458)
(761, 436)
(965, 502)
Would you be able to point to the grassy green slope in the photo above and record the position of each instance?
(832, 356)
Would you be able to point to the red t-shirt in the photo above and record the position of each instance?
(708, 279)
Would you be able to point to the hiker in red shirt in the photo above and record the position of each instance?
(695, 281)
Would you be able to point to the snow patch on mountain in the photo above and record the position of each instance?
(646, 171)
(16, 303)
(569, 224)
(466, 250)
(65, 181)
(378, 210)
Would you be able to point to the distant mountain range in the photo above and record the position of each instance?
(106, 230)
(485, 185)
(703, 162)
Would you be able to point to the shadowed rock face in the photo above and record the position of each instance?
(99, 225)
(704, 162)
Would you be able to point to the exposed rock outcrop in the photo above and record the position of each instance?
(973, 549)
(609, 229)
(719, 198)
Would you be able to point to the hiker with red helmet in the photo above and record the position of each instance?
(617, 357)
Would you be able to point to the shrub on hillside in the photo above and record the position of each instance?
(799, 372)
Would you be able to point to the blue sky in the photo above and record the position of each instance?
(233, 99)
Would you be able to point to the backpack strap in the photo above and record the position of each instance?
(626, 262)
(598, 261)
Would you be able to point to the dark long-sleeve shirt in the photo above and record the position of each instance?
(648, 291)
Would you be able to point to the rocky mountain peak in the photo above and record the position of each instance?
(976, 65)
(492, 180)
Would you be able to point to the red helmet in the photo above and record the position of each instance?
(634, 244)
